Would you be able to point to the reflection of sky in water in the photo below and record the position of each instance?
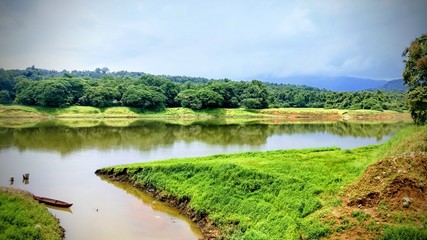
(70, 176)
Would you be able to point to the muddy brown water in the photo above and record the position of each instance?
(62, 157)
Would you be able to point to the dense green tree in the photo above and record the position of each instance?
(26, 92)
(53, 93)
(5, 97)
(191, 85)
(255, 95)
(145, 98)
(252, 103)
(415, 76)
(228, 90)
(209, 98)
(301, 99)
(50, 92)
(76, 88)
(188, 98)
(8, 81)
(200, 99)
(170, 90)
(68, 75)
(153, 80)
(100, 96)
(417, 100)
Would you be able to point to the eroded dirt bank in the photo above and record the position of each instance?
(391, 192)
(208, 228)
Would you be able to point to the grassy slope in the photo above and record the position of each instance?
(264, 195)
(23, 218)
(85, 111)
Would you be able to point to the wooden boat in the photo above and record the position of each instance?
(53, 202)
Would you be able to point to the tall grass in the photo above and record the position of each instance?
(404, 233)
(408, 140)
(266, 195)
(23, 218)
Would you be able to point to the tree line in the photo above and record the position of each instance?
(303, 96)
(100, 88)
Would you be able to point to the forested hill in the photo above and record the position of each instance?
(102, 88)
(99, 73)
(393, 85)
(341, 84)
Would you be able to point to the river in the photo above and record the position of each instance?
(62, 156)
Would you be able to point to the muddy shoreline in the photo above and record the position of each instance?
(209, 229)
(287, 114)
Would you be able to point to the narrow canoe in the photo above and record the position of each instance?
(53, 202)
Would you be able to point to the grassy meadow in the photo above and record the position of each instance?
(264, 195)
(21, 217)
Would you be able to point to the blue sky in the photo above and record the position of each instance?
(239, 39)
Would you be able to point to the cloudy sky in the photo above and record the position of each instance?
(238, 39)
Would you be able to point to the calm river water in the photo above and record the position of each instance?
(62, 156)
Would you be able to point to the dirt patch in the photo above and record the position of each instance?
(371, 199)
(379, 116)
(317, 116)
(391, 191)
(336, 116)
(392, 179)
(207, 226)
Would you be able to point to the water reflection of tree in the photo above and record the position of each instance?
(224, 134)
(149, 135)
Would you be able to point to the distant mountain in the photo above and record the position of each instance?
(393, 85)
(330, 83)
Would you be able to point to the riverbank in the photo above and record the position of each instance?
(21, 217)
(289, 114)
(266, 195)
(389, 201)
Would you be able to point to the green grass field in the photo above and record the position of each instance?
(264, 195)
(23, 218)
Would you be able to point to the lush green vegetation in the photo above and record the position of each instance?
(415, 76)
(263, 195)
(404, 233)
(100, 88)
(303, 96)
(270, 195)
(23, 218)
